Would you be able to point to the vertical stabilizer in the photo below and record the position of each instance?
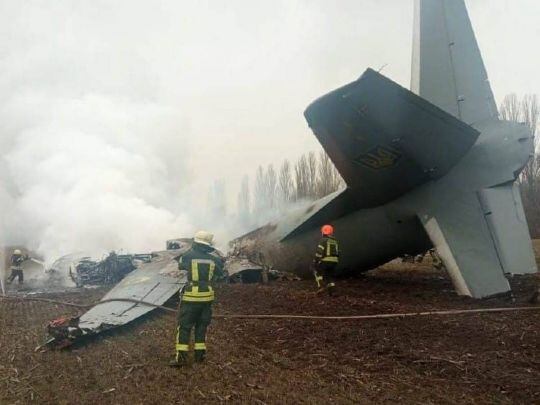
(447, 68)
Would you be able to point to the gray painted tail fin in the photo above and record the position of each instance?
(447, 68)
(480, 236)
(385, 140)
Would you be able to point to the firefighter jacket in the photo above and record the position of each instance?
(17, 261)
(203, 265)
(327, 250)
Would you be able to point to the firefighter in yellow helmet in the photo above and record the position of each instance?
(17, 259)
(326, 259)
(203, 265)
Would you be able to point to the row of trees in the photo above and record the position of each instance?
(312, 176)
(527, 110)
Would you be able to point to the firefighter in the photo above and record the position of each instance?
(326, 259)
(17, 259)
(203, 265)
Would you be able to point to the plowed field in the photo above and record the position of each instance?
(479, 358)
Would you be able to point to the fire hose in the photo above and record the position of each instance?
(287, 316)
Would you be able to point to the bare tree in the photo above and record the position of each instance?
(530, 178)
(510, 109)
(271, 186)
(244, 202)
(259, 196)
(336, 181)
(217, 201)
(328, 180)
(528, 112)
(285, 184)
(301, 176)
(312, 175)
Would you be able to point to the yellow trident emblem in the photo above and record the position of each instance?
(379, 158)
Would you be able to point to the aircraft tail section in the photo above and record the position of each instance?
(325, 210)
(460, 234)
(447, 67)
(480, 236)
(503, 210)
(384, 139)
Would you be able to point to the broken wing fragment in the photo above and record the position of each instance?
(154, 282)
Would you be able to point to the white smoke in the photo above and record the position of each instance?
(115, 117)
(90, 157)
(92, 173)
(107, 136)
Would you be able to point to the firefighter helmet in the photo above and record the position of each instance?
(17, 252)
(327, 230)
(204, 238)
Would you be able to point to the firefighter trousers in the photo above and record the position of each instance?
(326, 270)
(16, 273)
(197, 316)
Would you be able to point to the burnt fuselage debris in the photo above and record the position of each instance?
(179, 243)
(242, 270)
(108, 271)
(63, 331)
(246, 264)
(154, 281)
(153, 278)
(431, 253)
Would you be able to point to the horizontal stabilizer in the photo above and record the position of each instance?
(459, 231)
(506, 220)
(323, 211)
(384, 139)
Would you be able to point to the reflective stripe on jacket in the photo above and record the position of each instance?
(327, 250)
(17, 261)
(202, 267)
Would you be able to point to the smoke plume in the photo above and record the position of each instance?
(91, 157)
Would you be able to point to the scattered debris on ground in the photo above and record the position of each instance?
(274, 274)
(108, 271)
(248, 265)
(242, 270)
(154, 281)
(480, 358)
(179, 243)
(436, 261)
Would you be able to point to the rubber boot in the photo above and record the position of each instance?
(200, 356)
(181, 360)
(331, 289)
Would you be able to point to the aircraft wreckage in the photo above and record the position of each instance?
(431, 167)
(155, 281)
(152, 278)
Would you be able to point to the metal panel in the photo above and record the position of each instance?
(154, 282)
(459, 232)
(504, 213)
(385, 140)
(447, 68)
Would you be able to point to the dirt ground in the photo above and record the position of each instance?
(480, 358)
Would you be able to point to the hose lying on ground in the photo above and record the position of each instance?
(286, 316)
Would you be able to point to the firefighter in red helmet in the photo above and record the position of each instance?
(326, 259)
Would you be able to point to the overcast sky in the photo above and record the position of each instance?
(241, 72)
(218, 86)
